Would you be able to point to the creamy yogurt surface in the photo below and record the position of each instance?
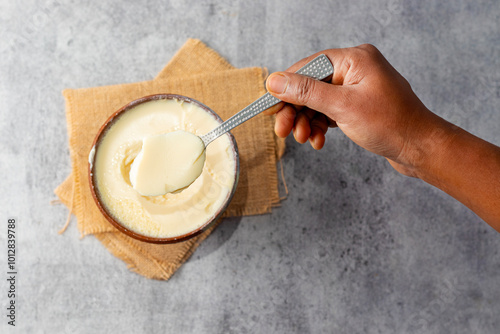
(167, 163)
(172, 214)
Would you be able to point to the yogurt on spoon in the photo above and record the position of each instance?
(167, 163)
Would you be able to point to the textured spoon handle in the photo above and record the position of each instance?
(319, 68)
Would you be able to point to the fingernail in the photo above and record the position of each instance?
(277, 83)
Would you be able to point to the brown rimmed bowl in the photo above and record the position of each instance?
(95, 191)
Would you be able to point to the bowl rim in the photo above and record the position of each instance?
(95, 191)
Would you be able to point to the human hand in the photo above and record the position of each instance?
(376, 107)
(366, 98)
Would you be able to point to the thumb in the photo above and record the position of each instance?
(304, 91)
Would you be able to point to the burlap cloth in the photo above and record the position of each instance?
(198, 72)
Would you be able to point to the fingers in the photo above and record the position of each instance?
(285, 120)
(304, 91)
(312, 126)
(319, 127)
(306, 125)
(302, 127)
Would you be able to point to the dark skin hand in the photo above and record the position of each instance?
(375, 107)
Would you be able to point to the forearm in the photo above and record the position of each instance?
(464, 166)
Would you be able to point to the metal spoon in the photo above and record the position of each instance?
(319, 68)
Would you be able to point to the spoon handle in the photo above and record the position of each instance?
(319, 68)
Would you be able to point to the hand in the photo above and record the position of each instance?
(366, 98)
(376, 107)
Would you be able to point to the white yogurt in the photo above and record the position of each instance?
(167, 163)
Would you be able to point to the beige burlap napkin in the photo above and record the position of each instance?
(198, 72)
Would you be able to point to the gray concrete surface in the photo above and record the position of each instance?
(356, 248)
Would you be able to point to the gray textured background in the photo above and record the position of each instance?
(356, 248)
